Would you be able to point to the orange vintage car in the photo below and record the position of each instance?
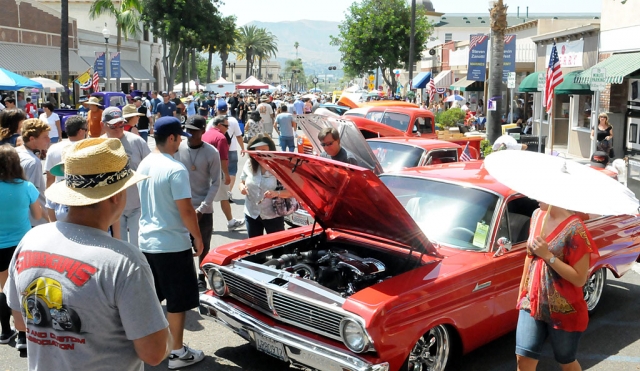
(406, 271)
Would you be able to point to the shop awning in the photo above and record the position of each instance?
(421, 81)
(467, 85)
(568, 86)
(35, 60)
(136, 71)
(618, 66)
(444, 79)
(530, 83)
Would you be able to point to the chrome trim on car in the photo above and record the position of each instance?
(314, 315)
(300, 350)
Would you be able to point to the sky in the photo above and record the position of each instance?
(333, 10)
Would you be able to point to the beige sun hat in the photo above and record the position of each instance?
(93, 100)
(130, 110)
(94, 170)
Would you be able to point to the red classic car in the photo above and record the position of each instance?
(364, 289)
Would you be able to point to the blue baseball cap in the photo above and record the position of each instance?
(169, 125)
(222, 106)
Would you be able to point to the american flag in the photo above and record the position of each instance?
(508, 38)
(96, 80)
(476, 39)
(431, 88)
(554, 77)
(466, 154)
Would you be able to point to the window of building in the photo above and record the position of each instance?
(238, 76)
(145, 33)
(155, 39)
(270, 76)
(448, 37)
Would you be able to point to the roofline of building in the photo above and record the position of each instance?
(586, 29)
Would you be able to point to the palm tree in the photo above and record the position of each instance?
(266, 49)
(498, 26)
(294, 71)
(249, 39)
(127, 15)
(296, 45)
(64, 48)
(224, 43)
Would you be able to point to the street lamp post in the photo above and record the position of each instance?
(232, 66)
(107, 62)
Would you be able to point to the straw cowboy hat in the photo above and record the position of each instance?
(94, 170)
(264, 98)
(130, 110)
(93, 100)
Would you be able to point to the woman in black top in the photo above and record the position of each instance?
(604, 134)
(10, 122)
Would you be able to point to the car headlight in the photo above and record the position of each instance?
(217, 282)
(354, 336)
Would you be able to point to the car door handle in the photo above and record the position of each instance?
(480, 286)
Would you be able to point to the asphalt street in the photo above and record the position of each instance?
(611, 343)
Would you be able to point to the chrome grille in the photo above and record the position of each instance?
(246, 290)
(312, 316)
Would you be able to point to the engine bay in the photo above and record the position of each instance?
(343, 268)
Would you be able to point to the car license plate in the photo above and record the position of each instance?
(299, 219)
(271, 347)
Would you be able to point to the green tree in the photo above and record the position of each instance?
(223, 42)
(266, 49)
(294, 73)
(498, 27)
(296, 45)
(180, 24)
(376, 34)
(127, 15)
(250, 39)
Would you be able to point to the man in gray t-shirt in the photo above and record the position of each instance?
(137, 149)
(202, 160)
(88, 299)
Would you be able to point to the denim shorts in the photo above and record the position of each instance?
(531, 334)
(233, 162)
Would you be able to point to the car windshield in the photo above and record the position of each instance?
(448, 214)
(395, 156)
(399, 121)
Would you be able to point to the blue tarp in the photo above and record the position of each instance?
(421, 81)
(13, 81)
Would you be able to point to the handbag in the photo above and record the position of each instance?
(284, 206)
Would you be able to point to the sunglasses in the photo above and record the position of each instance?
(116, 126)
(225, 125)
(327, 144)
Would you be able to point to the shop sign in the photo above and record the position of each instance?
(569, 53)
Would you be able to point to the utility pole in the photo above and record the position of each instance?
(412, 39)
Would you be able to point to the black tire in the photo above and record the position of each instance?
(74, 324)
(39, 311)
(594, 288)
(442, 352)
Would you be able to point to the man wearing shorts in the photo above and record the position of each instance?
(166, 221)
(235, 134)
(216, 137)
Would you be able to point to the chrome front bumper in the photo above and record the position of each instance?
(300, 351)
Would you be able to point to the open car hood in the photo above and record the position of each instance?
(345, 197)
(350, 138)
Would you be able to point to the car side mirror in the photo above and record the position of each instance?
(504, 245)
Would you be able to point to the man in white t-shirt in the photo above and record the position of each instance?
(235, 134)
(267, 115)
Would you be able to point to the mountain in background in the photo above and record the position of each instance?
(315, 50)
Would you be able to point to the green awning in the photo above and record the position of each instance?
(530, 83)
(618, 66)
(467, 85)
(568, 86)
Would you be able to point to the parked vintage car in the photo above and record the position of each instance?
(107, 99)
(365, 289)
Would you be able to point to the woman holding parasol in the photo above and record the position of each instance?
(560, 250)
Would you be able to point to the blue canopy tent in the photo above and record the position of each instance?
(421, 81)
(13, 81)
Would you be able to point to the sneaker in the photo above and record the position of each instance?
(21, 343)
(190, 357)
(202, 285)
(6, 338)
(234, 224)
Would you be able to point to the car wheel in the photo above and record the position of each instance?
(39, 311)
(432, 352)
(594, 287)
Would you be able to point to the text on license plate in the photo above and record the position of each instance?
(271, 347)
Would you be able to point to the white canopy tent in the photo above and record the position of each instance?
(191, 86)
(221, 86)
(48, 85)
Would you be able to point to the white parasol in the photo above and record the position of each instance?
(561, 182)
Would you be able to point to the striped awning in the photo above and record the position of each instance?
(618, 66)
(444, 79)
(467, 85)
(37, 60)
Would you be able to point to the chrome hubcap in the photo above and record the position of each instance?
(431, 352)
(593, 289)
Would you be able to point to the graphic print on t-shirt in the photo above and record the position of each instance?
(42, 306)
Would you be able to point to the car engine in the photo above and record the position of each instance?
(341, 270)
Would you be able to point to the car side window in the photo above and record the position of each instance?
(515, 220)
